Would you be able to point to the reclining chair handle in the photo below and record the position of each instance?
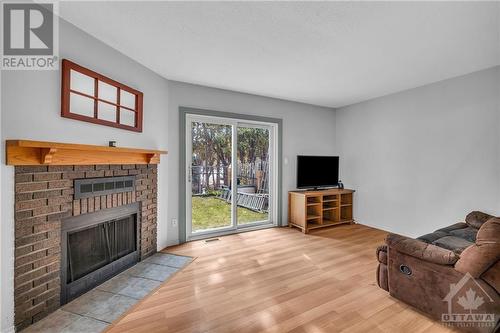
(405, 269)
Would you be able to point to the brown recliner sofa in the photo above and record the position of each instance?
(450, 274)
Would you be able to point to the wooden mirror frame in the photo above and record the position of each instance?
(67, 67)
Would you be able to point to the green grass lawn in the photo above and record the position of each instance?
(210, 212)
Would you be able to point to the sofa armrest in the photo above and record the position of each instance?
(421, 250)
(381, 254)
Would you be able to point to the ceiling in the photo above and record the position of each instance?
(323, 53)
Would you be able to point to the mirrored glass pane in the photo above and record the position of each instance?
(127, 99)
(127, 117)
(107, 92)
(82, 83)
(106, 111)
(81, 105)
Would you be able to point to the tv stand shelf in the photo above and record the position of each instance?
(309, 210)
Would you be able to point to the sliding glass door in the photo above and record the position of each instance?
(253, 173)
(210, 175)
(230, 181)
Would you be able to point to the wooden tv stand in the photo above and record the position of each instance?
(309, 210)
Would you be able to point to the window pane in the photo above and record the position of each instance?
(81, 105)
(106, 111)
(107, 92)
(127, 117)
(127, 99)
(82, 83)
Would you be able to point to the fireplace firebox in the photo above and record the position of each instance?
(97, 246)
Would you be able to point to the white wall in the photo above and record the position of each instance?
(423, 158)
(307, 129)
(31, 110)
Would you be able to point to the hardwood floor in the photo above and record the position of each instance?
(277, 280)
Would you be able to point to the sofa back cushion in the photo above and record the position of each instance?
(456, 237)
(476, 219)
(453, 243)
(478, 258)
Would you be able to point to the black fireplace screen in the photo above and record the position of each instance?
(99, 245)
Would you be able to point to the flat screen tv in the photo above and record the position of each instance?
(317, 171)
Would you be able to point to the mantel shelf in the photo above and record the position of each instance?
(28, 152)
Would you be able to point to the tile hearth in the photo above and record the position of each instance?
(95, 310)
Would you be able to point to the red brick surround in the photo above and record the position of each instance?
(43, 197)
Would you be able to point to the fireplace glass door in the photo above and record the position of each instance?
(97, 246)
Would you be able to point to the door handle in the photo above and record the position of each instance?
(190, 176)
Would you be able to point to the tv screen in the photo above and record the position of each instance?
(317, 171)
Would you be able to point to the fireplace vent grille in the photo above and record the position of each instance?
(85, 188)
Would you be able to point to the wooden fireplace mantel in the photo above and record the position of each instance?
(28, 152)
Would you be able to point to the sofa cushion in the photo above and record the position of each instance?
(455, 237)
(489, 232)
(432, 237)
(468, 233)
(476, 219)
(421, 250)
(453, 243)
(478, 258)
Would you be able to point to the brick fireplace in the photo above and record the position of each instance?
(44, 199)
